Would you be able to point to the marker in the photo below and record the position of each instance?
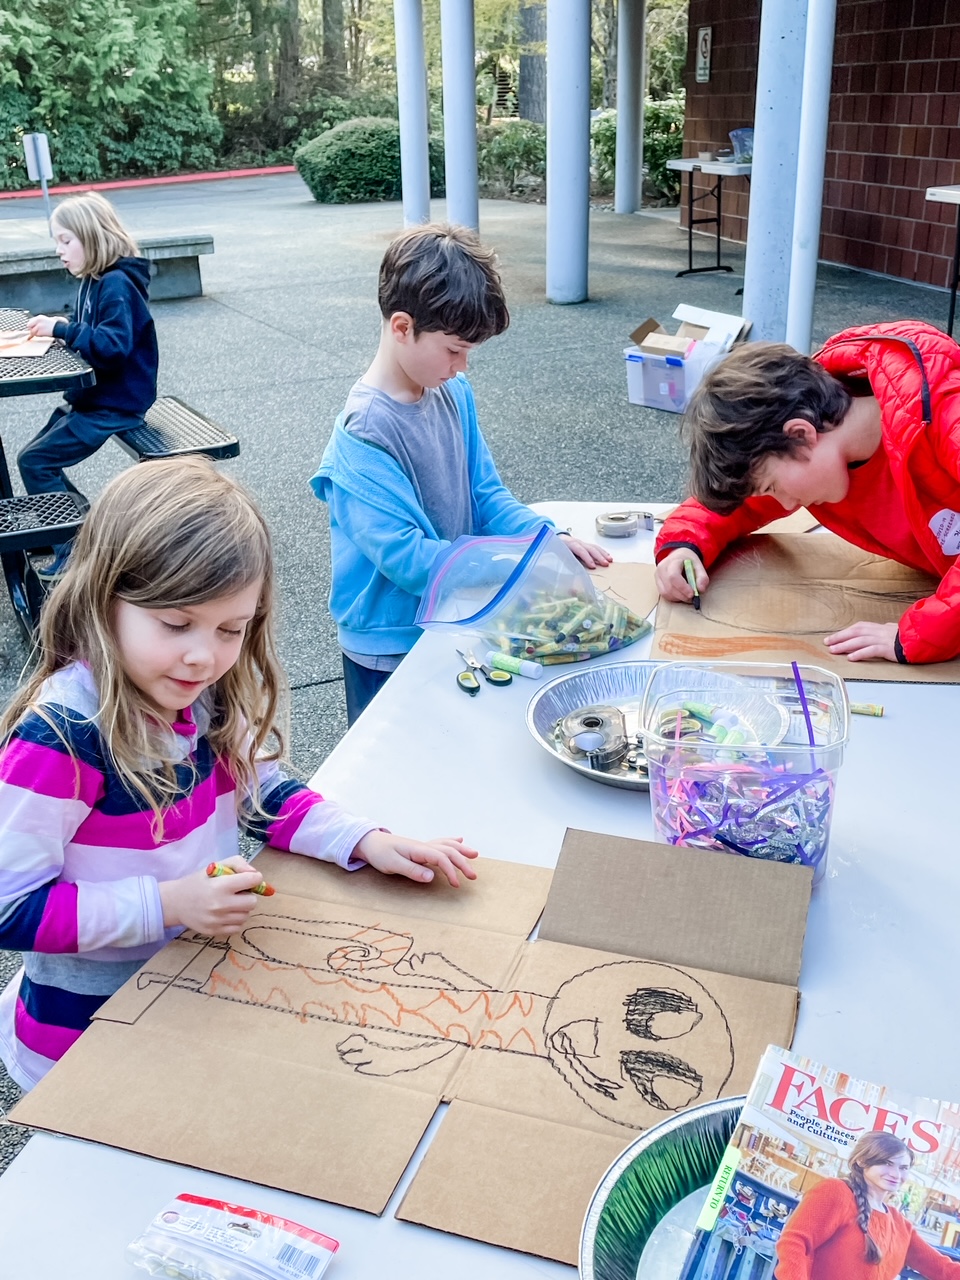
(691, 576)
(221, 869)
(866, 709)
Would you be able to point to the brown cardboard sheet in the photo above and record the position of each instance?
(686, 906)
(510, 893)
(629, 582)
(247, 1115)
(510, 1180)
(357, 1019)
(774, 597)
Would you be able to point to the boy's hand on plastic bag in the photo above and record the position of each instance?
(671, 581)
(214, 905)
(589, 555)
(397, 856)
(865, 641)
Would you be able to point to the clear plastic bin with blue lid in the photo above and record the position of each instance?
(743, 757)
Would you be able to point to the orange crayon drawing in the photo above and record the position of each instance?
(410, 1008)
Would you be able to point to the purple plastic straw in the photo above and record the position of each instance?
(806, 712)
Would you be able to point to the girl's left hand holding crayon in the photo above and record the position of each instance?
(397, 856)
(865, 641)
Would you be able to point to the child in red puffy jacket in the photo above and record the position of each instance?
(866, 435)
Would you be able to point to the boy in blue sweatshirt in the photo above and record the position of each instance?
(112, 330)
(407, 470)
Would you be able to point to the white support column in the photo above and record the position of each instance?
(631, 91)
(460, 111)
(811, 158)
(412, 109)
(774, 178)
(568, 150)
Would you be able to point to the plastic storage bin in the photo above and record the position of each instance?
(739, 761)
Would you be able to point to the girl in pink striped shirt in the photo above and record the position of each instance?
(146, 738)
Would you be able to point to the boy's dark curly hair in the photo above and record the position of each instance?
(446, 281)
(736, 417)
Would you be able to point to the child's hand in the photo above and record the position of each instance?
(590, 556)
(213, 905)
(42, 326)
(398, 856)
(864, 641)
(671, 581)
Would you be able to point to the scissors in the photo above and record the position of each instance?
(467, 680)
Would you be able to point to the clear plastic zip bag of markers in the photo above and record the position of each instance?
(527, 596)
(194, 1238)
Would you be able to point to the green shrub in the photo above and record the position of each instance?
(603, 147)
(256, 134)
(360, 160)
(512, 157)
(662, 141)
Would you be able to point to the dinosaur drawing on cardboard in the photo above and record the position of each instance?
(412, 1008)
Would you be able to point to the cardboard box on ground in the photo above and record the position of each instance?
(353, 1005)
(663, 369)
(774, 597)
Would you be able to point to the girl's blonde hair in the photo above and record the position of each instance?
(165, 535)
(103, 236)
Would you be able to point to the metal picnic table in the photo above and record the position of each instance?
(30, 521)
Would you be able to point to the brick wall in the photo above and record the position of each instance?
(894, 126)
(726, 102)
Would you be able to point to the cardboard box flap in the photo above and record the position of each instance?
(644, 329)
(506, 896)
(327, 1133)
(721, 329)
(510, 1180)
(695, 907)
(666, 344)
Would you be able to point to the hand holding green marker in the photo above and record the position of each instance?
(691, 576)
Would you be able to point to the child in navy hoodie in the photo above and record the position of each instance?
(112, 330)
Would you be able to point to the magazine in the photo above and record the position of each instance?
(805, 1125)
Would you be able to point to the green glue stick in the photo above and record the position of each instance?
(516, 666)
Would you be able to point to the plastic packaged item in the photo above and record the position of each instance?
(194, 1238)
(742, 140)
(749, 767)
(517, 666)
(527, 597)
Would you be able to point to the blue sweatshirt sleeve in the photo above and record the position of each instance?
(397, 547)
(111, 340)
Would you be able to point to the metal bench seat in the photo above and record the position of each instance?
(39, 520)
(172, 429)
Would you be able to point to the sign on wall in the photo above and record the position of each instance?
(704, 43)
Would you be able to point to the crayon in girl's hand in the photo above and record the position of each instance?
(221, 869)
(691, 576)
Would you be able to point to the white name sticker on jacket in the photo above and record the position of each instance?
(946, 529)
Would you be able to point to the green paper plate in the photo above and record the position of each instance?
(654, 1174)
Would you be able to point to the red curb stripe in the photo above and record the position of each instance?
(35, 192)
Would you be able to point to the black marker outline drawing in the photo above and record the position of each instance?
(421, 1006)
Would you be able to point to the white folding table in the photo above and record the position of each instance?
(879, 974)
(718, 169)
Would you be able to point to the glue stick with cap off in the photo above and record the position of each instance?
(516, 666)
